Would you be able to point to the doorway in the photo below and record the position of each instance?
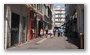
(40, 26)
(14, 28)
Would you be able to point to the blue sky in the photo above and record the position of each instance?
(58, 4)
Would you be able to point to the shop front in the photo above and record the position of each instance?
(32, 25)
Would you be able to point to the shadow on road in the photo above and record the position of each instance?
(74, 41)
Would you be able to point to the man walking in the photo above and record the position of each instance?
(61, 31)
(54, 32)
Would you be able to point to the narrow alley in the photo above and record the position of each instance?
(43, 26)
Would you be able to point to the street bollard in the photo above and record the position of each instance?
(81, 41)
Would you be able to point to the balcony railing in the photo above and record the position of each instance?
(59, 13)
(59, 10)
(59, 17)
(59, 21)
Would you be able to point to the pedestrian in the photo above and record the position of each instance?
(33, 31)
(51, 33)
(61, 31)
(41, 32)
(54, 32)
(45, 33)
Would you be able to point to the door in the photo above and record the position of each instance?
(14, 29)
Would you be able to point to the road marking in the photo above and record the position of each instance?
(39, 42)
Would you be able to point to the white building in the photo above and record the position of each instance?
(58, 16)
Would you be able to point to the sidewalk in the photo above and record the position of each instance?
(27, 44)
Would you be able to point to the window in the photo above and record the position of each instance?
(56, 15)
(56, 19)
(62, 19)
(63, 12)
(62, 15)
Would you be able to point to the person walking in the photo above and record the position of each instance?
(46, 33)
(54, 32)
(33, 33)
(51, 31)
(61, 31)
(41, 32)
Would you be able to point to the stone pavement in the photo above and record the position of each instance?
(47, 43)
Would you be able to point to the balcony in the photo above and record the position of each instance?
(59, 10)
(59, 21)
(59, 17)
(40, 12)
(59, 13)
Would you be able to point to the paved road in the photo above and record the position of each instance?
(47, 43)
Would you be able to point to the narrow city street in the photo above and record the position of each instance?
(47, 43)
(27, 25)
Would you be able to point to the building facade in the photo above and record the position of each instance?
(74, 20)
(43, 16)
(23, 22)
(47, 16)
(58, 16)
(15, 24)
(77, 14)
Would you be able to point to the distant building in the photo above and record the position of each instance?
(58, 16)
